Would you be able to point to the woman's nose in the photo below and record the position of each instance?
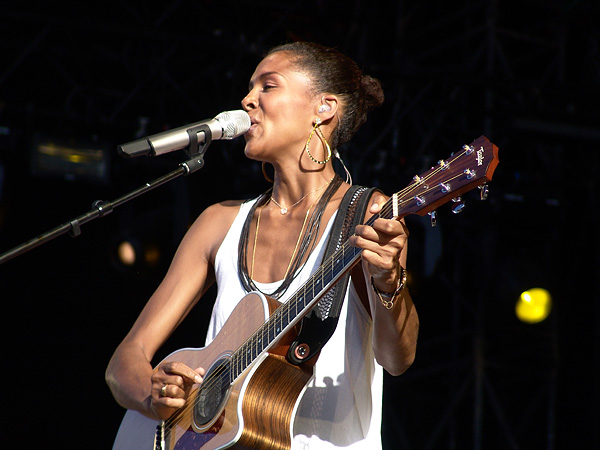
(249, 101)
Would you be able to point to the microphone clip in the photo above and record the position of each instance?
(196, 150)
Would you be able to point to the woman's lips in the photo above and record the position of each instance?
(252, 128)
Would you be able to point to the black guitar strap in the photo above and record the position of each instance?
(319, 324)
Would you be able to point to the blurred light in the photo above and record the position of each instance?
(534, 305)
(132, 253)
(70, 159)
(126, 253)
(151, 255)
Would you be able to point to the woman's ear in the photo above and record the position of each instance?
(328, 107)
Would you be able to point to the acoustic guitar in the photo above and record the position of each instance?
(250, 390)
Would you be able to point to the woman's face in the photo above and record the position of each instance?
(281, 107)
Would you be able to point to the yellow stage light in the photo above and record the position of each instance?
(534, 305)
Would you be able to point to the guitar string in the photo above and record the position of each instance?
(320, 273)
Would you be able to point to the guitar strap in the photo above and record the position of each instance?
(319, 324)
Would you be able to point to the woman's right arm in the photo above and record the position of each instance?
(130, 375)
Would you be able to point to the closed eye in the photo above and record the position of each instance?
(266, 80)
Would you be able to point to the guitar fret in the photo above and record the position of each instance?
(237, 365)
(318, 284)
(279, 323)
(348, 257)
(328, 274)
(338, 264)
(255, 351)
(259, 344)
(288, 309)
(302, 300)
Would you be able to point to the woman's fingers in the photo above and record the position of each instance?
(172, 382)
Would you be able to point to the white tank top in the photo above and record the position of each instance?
(341, 407)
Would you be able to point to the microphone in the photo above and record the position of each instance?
(227, 125)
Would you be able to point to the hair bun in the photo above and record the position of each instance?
(373, 92)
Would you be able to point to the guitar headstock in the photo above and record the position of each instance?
(472, 166)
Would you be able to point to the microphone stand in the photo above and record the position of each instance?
(101, 208)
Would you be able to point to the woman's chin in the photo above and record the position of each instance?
(250, 152)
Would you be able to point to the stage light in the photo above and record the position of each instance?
(151, 255)
(133, 253)
(71, 159)
(534, 305)
(126, 253)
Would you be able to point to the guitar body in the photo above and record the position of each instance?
(258, 408)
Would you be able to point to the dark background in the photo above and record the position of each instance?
(525, 74)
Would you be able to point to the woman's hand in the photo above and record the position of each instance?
(383, 244)
(171, 386)
(395, 321)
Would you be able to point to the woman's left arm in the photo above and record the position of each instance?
(395, 319)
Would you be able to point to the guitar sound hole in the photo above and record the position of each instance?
(212, 393)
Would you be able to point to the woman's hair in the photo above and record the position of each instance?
(333, 72)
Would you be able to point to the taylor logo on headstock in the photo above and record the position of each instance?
(480, 156)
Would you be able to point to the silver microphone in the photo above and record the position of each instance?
(227, 125)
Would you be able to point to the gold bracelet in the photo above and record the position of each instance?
(389, 304)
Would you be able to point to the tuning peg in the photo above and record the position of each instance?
(484, 191)
(433, 217)
(458, 206)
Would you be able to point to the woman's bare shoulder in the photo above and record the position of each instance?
(213, 223)
(224, 211)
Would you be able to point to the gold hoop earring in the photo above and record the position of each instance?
(264, 172)
(307, 147)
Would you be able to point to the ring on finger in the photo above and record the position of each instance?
(163, 390)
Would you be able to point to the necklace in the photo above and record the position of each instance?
(295, 247)
(307, 242)
(283, 210)
(299, 236)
